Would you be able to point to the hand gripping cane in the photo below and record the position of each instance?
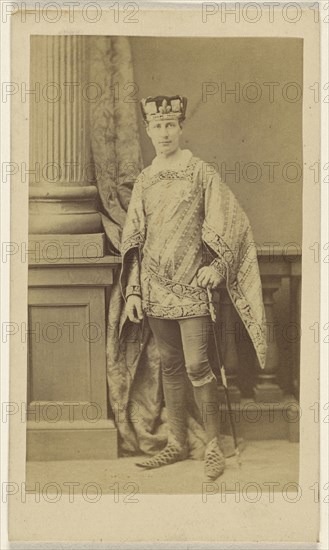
(223, 375)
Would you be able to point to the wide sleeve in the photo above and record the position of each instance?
(132, 260)
(226, 231)
(132, 240)
(220, 231)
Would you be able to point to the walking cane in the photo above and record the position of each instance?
(223, 376)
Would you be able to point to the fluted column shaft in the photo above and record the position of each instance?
(60, 133)
(63, 195)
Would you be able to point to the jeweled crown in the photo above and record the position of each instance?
(164, 108)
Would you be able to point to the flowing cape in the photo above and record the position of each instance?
(226, 231)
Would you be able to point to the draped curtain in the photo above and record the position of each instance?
(134, 377)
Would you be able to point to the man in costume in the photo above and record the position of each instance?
(185, 232)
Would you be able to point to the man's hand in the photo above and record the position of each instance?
(134, 308)
(208, 276)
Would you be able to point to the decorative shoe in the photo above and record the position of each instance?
(170, 454)
(214, 459)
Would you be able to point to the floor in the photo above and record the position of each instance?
(263, 463)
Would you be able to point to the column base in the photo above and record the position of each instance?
(51, 247)
(262, 421)
(65, 440)
(268, 393)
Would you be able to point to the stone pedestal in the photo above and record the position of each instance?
(67, 399)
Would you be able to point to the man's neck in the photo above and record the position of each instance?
(170, 160)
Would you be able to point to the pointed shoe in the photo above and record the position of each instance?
(170, 454)
(214, 460)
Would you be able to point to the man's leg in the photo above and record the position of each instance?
(195, 336)
(168, 341)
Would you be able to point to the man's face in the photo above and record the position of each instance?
(164, 135)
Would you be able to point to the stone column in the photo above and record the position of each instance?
(267, 388)
(63, 194)
(67, 372)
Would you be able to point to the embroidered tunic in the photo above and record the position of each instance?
(178, 221)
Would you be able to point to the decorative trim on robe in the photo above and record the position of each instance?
(226, 231)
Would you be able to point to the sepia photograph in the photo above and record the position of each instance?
(165, 276)
(165, 227)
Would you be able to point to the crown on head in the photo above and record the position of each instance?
(164, 108)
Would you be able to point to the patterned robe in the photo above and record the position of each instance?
(177, 220)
